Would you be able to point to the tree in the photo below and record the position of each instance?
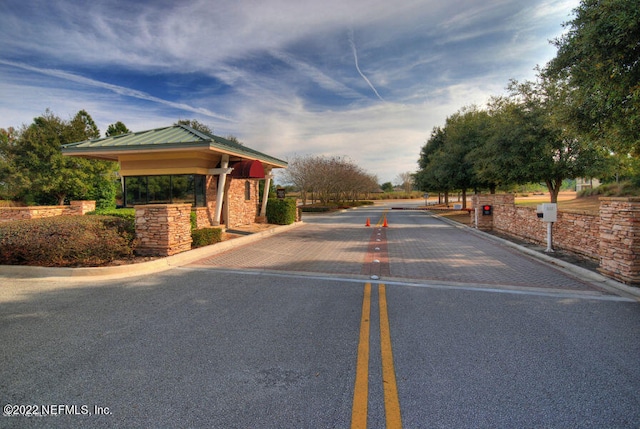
(7, 142)
(599, 56)
(528, 141)
(39, 173)
(429, 176)
(196, 125)
(406, 180)
(234, 139)
(81, 127)
(446, 161)
(387, 187)
(328, 178)
(117, 129)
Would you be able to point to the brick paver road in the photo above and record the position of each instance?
(417, 246)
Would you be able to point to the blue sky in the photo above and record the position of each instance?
(365, 79)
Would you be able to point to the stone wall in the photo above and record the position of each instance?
(163, 229)
(241, 211)
(578, 233)
(76, 208)
(620, 239)
(612, 237)
(484, 222)
(575, 232)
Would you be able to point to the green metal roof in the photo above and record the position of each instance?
(173, 137)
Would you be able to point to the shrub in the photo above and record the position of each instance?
(193, 220)
(126, 213)
(104, 193)
(66, 241)
(206, 236)
(281, 211)
(622, 189)
(315, 209)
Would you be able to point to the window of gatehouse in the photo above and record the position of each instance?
(247, 190)
(165, 189)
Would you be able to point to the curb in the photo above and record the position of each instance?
(155, 266)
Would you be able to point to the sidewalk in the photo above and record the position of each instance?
(129, 270)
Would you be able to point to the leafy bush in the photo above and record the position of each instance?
(104, 193)
(66, 241)
(125, 213)
(193, 220)
(206, 236)
(316, 209)
(281, 211)
(622, 189)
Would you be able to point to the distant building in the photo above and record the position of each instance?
(583, 183)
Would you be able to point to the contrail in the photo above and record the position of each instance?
(128, 92)
(355, 56)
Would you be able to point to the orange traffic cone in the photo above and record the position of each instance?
(368, 223)
(385, 222)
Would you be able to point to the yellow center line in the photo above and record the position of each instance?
(361, 390)
(390, 388)
(382, 217)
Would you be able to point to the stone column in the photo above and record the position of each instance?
(620, 239)
(480, 221)
(163, 229)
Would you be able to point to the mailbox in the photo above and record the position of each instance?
(549, 212)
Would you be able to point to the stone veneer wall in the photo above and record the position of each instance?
(163, 229)
(76, 208)
(239, 210)
(485, 222)
(620, 239)
(205, 215)
(612, 237)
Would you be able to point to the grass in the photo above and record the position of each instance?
(567, 201)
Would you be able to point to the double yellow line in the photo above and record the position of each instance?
(383, 216)
(390, 388)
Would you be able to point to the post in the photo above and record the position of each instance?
(224, 164)
(549, 215)
(549, 248)
(265, 193)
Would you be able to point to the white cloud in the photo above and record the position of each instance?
(279, 75)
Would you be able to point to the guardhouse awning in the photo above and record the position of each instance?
(251, 169)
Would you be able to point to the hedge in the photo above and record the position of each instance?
(66, 241)
(281, 211)
(125, 213)
(205, 236)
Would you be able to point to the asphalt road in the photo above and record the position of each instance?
(275, 334)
